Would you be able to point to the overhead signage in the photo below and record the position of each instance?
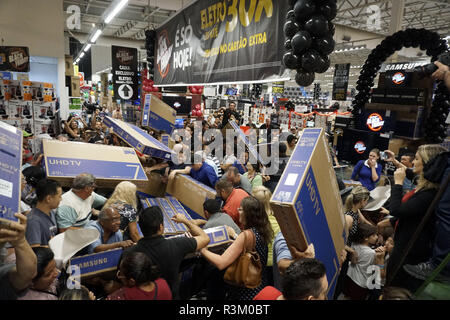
(125, 72)
(340, 81)
(222, 42)
(15, 59)
(360, 147)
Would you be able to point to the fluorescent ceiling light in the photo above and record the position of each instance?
(115, 11)
(82, 55)
(87, 47)
(96, 35)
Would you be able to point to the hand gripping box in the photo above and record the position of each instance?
(158, 115)
(110, 165)
(307, 204)
(10, 169)
(190, 192)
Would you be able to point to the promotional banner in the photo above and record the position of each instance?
(15, 59)
(212, 42)
(10, 169)
(125, 72)
(340, 81)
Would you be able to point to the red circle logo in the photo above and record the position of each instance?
(398, 78)
(360, 147)
(375, 122)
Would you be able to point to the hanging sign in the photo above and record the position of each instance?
(221, 42)
(360, 147)
(125, 72)
(340, 81)
(375, 122)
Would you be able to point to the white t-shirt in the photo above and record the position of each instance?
(359, 272)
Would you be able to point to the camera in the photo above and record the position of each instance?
(384, 155)
(428, 69)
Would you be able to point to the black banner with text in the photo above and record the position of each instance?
(15, 59)
(340, 81)
(212, 42)
(125, 72)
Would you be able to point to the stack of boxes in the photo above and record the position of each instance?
(72, 81)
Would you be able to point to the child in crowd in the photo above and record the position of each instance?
(360, 275)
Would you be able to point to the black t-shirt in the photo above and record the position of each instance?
(227, 114)
(168, 255)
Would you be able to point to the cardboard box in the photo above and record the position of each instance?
(307, 203)
(10, 170)
(97, 264)
(158, 115)
(74, 90)
(44, 110)
(69, 65)
(19, 109)
(110, 165)
(138, 138)
(167, 141)
(155, 187)
(190, 192)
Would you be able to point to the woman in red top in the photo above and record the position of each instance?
(140, 279)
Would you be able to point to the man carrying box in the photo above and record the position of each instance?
(77, 204)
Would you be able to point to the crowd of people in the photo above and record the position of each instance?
(382, 259)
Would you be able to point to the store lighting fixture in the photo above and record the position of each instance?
(116, 10)
(96, 35)
(81, 55)
(87, 47)
(350, 49)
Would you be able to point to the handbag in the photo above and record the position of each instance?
(245, 271)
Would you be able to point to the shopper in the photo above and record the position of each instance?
(200, 171)
(168, 253)
(304, 279)
(354, 203)
(238, 180)
(16, 278)
(406, 162)
(216, 218)
(284, 255)
(212, 158)
(82, 293)
(117, 113)
(291, 143)
(256, 225)
(280, 164)
(407, 212)
(368, 172)
(263, 195)
(124, 198)
(72, 128)
(41, 226)
(141, 280)
(442, 73)
(230, 114)
(110, 237)
(357, 281)
(253, 175)
(44, 285)
(77, 204)
(232, 198)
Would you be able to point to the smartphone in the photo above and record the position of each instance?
(384, 155)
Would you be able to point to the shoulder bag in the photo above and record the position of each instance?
(245, 271)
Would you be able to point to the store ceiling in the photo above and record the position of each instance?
(140, 15)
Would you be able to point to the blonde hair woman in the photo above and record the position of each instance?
(408, 212)
(263, 195)
(355, 201)
(124, 199)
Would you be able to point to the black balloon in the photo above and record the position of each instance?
(329, 9)
(290, 60)
(303, 9)
(311, 60)
(290, 15)
(301, 42)
(304, 79)
(324, 45)
(317, 25)
(332, 28)
(324, 65)
(288, 44)
(290, 28)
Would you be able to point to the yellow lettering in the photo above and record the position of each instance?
(232, 11)
(267, 5)
(203, 18)
(222, 9)
(246, 17)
